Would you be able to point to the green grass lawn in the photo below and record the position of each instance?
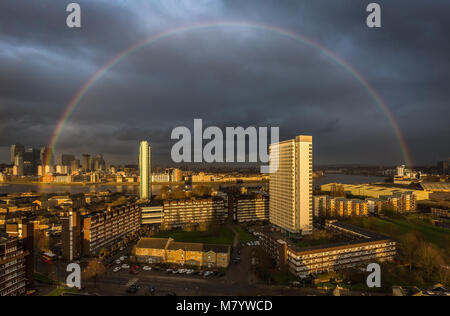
(244, 236)
(282, 277)
(60, 290)
(396, 227)
(221, 236)
(42, 278)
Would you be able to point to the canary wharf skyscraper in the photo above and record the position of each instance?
(145, 170)
(290, 186)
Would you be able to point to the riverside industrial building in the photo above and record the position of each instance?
(374, 191)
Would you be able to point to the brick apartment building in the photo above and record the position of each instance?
(166, 250)
(87, 234)
(16, 270)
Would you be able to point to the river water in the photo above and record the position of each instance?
(134, 189)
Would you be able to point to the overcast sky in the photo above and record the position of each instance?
(228, 76)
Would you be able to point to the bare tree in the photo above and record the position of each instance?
(95, 269)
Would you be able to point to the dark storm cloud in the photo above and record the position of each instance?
(228, 76)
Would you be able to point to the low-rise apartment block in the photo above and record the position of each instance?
(179, 213)
(87, 233)
(339, 207)
(166, 250)
(104, 228)
(363, 247)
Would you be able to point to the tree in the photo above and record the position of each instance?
(429, 259)
(409, 245)
(94, 269)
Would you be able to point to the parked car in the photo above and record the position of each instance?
(122, 258)
(208, 273)
(146, 268)
(169, 270)
(116, 269)
(125, 266)
(133, 289)
(118, 261)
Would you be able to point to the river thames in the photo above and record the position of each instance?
(134, 189)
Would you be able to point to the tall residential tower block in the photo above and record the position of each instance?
(290, 186)
(145, 171)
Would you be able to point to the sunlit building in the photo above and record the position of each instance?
(290, 185)
(145, 171)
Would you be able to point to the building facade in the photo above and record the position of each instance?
(152, 214)
(250, 207)
(180, 213)
(304, 261)
(166, 250)
(290, 185)
(13, 267)
(105, 228)
(145, 171)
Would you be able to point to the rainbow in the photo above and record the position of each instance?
(289, 34)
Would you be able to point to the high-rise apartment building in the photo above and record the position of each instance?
(16, 149)
(145, 170)
(71, 235)
(290, 186)
(18, 165)
(46, 156)
(66, 160)
(85, 162)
